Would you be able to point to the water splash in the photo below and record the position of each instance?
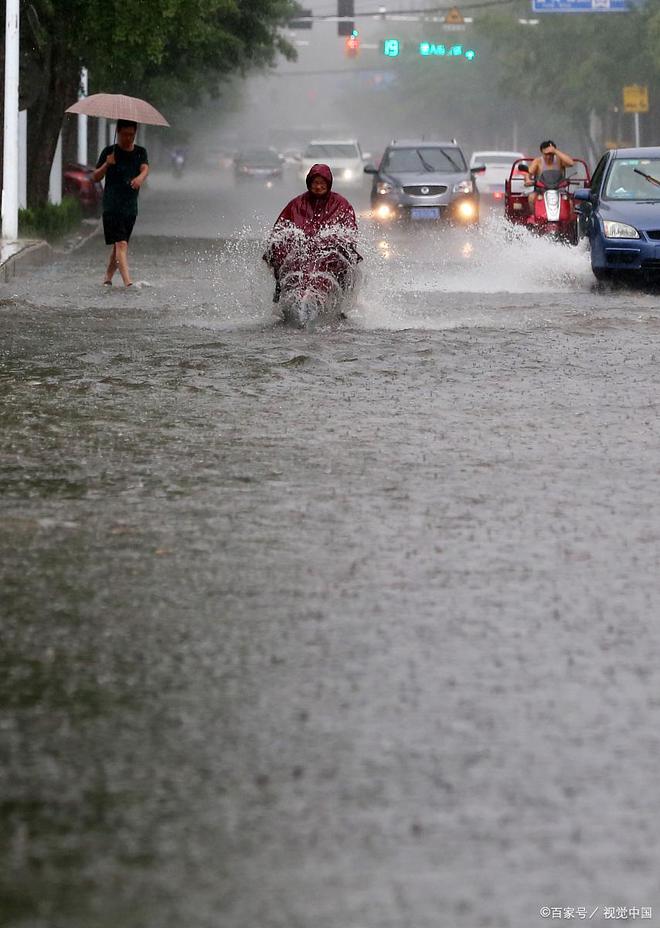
(316, 274)
(445, 278)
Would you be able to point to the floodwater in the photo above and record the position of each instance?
(352, 629)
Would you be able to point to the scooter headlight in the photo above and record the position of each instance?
(465, 186)
(467, 210)
(619, 229)
(382, 187)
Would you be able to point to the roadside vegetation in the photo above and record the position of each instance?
(50, 221)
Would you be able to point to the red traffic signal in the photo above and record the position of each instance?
(352, 46)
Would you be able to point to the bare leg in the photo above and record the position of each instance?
(122, 262)
(112, 266)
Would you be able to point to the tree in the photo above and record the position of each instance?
(165, 50)
(578, 63)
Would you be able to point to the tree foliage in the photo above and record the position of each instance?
(163, 50)
(577, 62)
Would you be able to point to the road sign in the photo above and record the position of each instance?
(454, 17)
(635, 99)
(580, 6)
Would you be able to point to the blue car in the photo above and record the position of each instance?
(620, 214)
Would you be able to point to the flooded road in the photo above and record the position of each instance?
(355, 629)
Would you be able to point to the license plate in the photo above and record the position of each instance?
(425, 212)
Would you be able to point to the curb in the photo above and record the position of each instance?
(82, 239)
(26, 255)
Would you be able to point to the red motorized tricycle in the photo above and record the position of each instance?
(547, 208)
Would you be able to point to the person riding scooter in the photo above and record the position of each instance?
(550, 161)
(318, 210)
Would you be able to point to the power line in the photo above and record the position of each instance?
(384, 13)
(348, 72)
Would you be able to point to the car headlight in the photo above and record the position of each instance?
(383, 187)
(384, 212)
(347, 174)
(619, 229)
(465, 186)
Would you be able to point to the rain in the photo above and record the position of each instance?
(330, 553)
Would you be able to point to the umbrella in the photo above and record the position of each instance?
(118, 106)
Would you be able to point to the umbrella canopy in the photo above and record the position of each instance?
(118, 106)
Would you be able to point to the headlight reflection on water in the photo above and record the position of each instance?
(467, 210)
(384, 212)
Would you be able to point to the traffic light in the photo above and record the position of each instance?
(352, 45)
(391, 48)
(346, 10)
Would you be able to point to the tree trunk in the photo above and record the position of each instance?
(61, 78)
(70, 140)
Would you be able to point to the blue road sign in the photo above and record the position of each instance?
(580, 6)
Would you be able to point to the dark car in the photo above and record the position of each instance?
(77, 182)
(425, 181)
(261, 163)
(620, 214)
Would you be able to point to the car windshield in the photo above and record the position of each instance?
(323, 150)
(634, 179)
(424, 159)
(259, 157)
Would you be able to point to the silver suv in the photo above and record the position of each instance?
(422, 180)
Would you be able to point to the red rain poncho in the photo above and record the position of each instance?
(310, 214)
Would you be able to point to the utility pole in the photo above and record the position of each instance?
(22, 159)
(10, 144)
(55, 180)
(82, 120)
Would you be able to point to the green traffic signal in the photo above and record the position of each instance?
(440, 50)
(392, 49)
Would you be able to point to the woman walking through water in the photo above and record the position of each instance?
(124, 167)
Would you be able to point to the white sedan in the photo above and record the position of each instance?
(498, 167)
(344, 158)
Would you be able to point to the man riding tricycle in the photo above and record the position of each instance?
(540, 195)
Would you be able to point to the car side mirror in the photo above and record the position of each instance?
(370, 169)
(478, 169)
(583, 195)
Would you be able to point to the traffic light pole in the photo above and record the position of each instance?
(637, 143)
(10, 141)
